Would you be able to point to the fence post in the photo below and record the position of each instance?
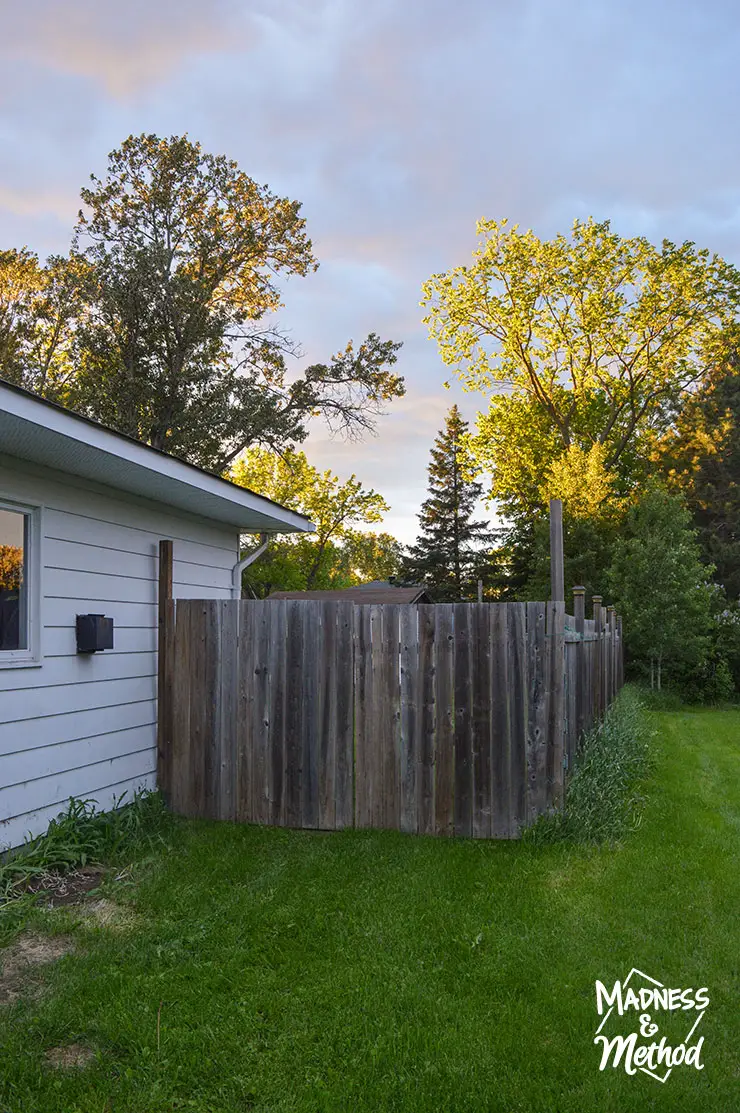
(620, 660)
(557, 575)
(598, 669)
(612, 620)
(579, 613)
(556, 748)
(163, 667)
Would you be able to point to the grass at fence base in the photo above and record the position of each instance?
(604, 794)
(277, 971)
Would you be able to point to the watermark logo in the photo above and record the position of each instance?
(634, 1013)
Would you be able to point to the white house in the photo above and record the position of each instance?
(82, 512)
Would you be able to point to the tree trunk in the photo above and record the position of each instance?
(660, 661)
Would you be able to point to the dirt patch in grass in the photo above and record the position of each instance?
(58, 889)
(73, 1056)
(106, 913)
(21, 959)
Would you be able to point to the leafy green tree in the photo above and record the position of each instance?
(661, 587)
(701, 456)
(370, 556)
(175, 342)
(358, 558)
(39, 307)
(587, 550)
(581, 344)
(323, 559)
(449, 552)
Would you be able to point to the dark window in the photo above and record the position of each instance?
(14, 529)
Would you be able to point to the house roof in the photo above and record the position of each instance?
(363, 593)
(41, 432)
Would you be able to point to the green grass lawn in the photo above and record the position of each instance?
(374, 971)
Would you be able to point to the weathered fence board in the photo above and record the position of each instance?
(502, 826)
(463, 791)
(444, 645)
(480, 681)
(448, 719)
(518, 714)
(410, 719)
(426, 722)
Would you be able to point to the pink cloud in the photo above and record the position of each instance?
(124, 47)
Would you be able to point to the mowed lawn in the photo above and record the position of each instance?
(372, 971)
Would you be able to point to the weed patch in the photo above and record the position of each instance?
(81, 837)
(603, 796)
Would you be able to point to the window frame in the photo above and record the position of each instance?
(30, 657)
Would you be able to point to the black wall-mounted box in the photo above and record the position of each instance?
(94, 632)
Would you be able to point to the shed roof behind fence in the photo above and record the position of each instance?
(377, 592)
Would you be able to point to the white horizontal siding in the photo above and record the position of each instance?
(15, 831)
(40, 791)
(72, 670)
(64, 757)
(60, 699)
(79, 558)
(112, 537)
(85, 725)
(93, 723)
(60, 641)
(112, 587)
(56, 612)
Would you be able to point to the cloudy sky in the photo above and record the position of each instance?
(398, 125)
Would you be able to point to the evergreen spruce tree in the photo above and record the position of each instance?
(449, 554)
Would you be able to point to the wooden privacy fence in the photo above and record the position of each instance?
(447, 719)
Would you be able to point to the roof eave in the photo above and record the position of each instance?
(246, 511)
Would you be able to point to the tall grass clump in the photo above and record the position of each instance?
(603, 796)
(83, 836)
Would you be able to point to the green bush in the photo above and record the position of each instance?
(710, 682)
(603, 798)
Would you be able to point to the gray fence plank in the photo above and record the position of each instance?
(344, 710)
(427, 727)
(501, 818)
(410, 684)
(556, 693)
(312, 660)
(518, 714)
(260, 680)
(245, 747)
(363, 725)
(537, 671)
(276, 666)
(229, 688)
(480, 659)
(213, 739)
(389, 784)
(180, 759)
(444, 696)
(463, 802)
(330, 683)
(293, 714)
(198, 711)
